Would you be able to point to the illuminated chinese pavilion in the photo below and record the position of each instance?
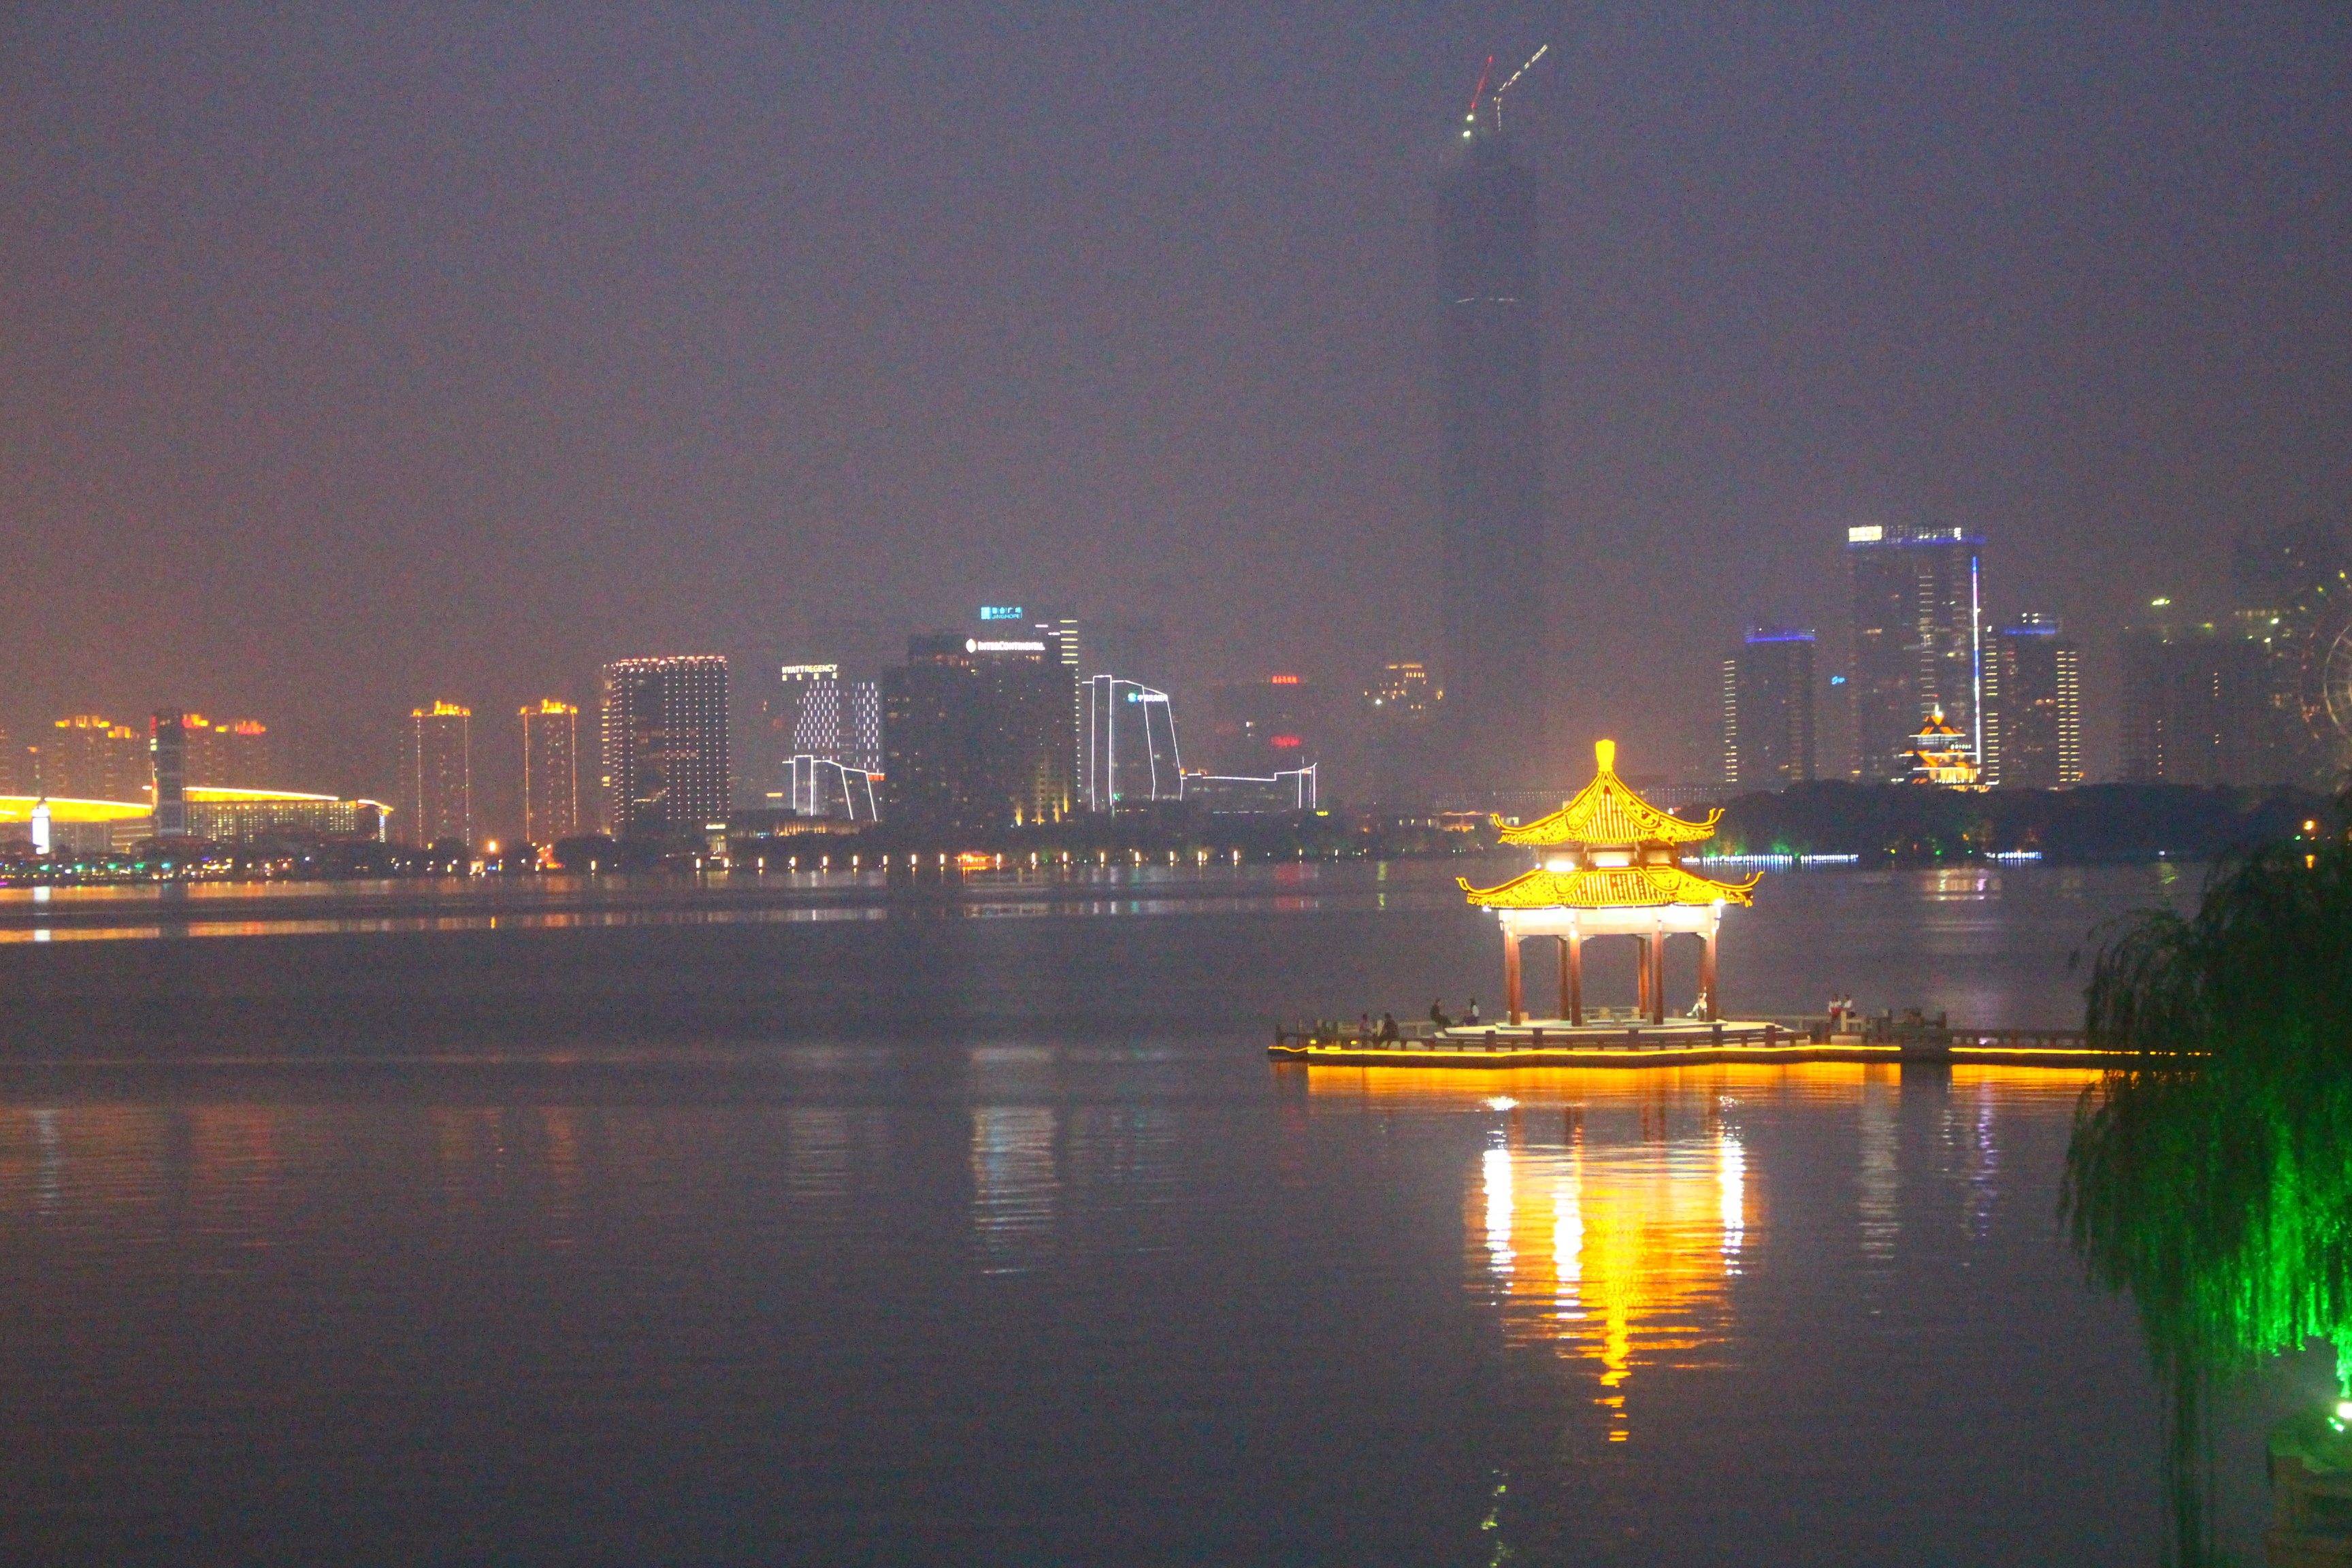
(1940, 755)
(1610, 865)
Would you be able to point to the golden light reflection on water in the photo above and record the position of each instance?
(1614, 1254)
(1611, 1212)
(1466, 1088)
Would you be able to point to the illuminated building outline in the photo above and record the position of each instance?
(1106, 697)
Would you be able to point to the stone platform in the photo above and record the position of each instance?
(1555, 1042)
(1677, 1042)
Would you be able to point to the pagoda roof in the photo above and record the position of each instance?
(1609, 888)
(1607, 812)
(1937, 727)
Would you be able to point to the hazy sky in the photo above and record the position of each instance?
(356, 356)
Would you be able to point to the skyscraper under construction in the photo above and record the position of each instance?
(1495, 550)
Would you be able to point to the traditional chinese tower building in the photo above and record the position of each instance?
(1610, 865)
(1940, 755)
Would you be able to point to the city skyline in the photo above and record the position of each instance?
(970, 734)
(1921, 657)
(1803, 275)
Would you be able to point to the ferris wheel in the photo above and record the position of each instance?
(2336, 684)
(2325, 624)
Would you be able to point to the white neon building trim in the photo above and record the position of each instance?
(1299, 781)
(853, 786)
(1107, 697)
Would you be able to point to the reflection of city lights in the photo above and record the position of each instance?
(1014, 1185)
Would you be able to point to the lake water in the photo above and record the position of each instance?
(980, 1230)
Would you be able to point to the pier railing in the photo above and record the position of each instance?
(1631, 1032)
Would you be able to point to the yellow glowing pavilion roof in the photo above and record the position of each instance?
(1607, 812)
(1609, 888)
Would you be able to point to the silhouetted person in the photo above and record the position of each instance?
(1388, 1026)
(1473, 1018)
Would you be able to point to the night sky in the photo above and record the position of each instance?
(355, 357)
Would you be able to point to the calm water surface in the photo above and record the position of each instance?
(923, 1237)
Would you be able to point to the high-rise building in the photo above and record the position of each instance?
(1402, 708)
(438, 785)
(1029, 739)
(1833, 731)
(1769, 711)
(976, 734)
(1494, 609)
(2295, 686)
(1259, 728)
(2201, 704)
(167, 743)
(1918, 645)
(1403, 692)
(762, 756)
(205, 763)
(862, 742)
(810, 704)
(2033, 707)
(231, 753)
(664, 744)
(12, 764)
(931, 738)
(90, 757)
(826, 733)
(828, 718)
(550, 771)
(1059, 633)
(1131, 749)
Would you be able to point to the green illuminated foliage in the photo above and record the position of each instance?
(2213, 1180)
